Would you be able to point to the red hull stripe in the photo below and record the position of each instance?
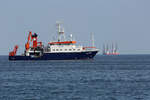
(64, 42)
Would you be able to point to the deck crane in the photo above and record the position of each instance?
(27, 45)
(32, 38)
(13, 53)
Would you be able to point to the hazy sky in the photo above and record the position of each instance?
(125, 22)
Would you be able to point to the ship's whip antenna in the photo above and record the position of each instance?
(92, 38)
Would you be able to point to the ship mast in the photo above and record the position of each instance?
(112, 51)
(107, 49)
(104, 49)
(116, 47)
(60, 31)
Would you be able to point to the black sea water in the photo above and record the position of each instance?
(122, 77)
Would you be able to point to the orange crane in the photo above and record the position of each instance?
(13, 53)
(32, 38)
(27, 45)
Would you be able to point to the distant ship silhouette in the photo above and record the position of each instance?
(110, 51)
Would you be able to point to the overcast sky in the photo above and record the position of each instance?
(125, 22)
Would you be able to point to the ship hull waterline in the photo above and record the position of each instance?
(57, 56)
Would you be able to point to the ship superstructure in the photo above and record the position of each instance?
(61, 49)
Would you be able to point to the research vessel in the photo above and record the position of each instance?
(61, 49)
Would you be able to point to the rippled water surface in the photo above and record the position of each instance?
(124, 77)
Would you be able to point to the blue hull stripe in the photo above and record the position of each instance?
(57, 56)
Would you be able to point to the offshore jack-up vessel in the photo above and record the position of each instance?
(61, 49)
(110, 51)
